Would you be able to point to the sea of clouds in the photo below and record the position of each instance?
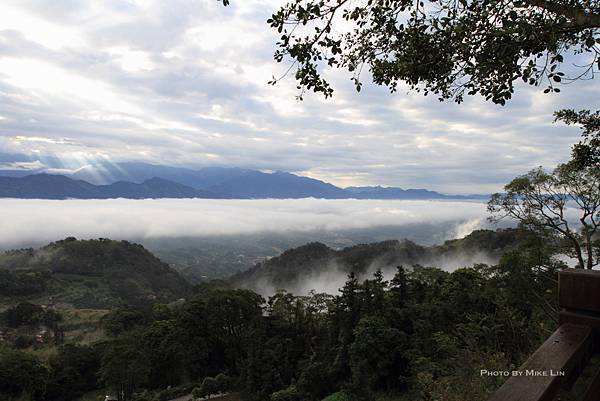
(34, 222)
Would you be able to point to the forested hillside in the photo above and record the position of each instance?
(92, 274)
(422, 334)
(315, 264)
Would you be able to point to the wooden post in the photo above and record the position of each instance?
(579, 297)
(568, 349)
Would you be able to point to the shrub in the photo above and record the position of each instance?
(23, 341)
(339, 396)
(209, 386)
(288, 394)
(223, 382)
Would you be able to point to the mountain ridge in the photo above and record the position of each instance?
(51, 186)
(94, 273)
(317, 264)
(221, 184)
(217, 181)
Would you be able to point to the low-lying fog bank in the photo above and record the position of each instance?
(35, 222)
(317, 267)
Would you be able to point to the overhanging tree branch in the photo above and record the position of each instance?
(578, 16)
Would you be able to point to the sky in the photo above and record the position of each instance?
(184, 83)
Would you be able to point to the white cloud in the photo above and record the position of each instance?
(184, 82)
(53, 82)
(36, 165)
(131, 60)
(21, 138)
(39, 221)
(40, 30)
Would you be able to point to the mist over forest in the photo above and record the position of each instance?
(300, 200)
(206, 239)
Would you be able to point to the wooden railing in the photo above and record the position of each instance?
(560, 360)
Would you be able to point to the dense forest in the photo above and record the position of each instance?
(315, 265)
(424, 334)
(82, 319)
(98, 273)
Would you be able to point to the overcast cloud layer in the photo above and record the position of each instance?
(26, 222)
(183, 82)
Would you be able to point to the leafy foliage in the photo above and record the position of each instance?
(587, 152)
(27, 314)
(90, 274)
(72, 372)
(209, 387)
(290, 393)
(542, 200)
(445, 47)
(402, 337)
(22, 283)
(339, 396)
(123, 319)
(124, 367)
(21, 375)
(293, 266)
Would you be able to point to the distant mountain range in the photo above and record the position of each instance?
(399, 193)
(134, 180)
(48, 186)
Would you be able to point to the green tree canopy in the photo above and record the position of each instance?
(21, 375)
(287, 394)
(375, 348)
(223, 382)
(124, 367)
(587, 152)
(73, 371)
(543, 201)
(563, 204)
(209, 387)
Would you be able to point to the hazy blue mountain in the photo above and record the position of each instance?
(46, 186)
(153, 188)
(379, 192)
(104, 179)
(49, 186)
(255, 184)
(394, 193)
(139, 172)
(235, 182)
(227, 181)
(232, 183)
(19, 173)
(101, 172)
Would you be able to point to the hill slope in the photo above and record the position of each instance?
(88, 274)
(49, 186)
(316, 266)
